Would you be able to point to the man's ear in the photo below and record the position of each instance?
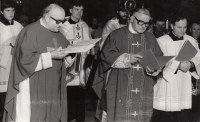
(70, 10)
(132, 18)
(190, 30)
(1, 12)
(46, 18)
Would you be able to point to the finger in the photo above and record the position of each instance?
(138, 56)
(149, 74)
(149, 69)
(59, 49)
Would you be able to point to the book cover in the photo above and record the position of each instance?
(187, 52)
(149, 60)
(81, 46)
(162, 60)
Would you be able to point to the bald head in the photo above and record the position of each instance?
(142, 12)
(53, 16)
(52, 8)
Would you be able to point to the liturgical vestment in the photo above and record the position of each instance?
(8, 35)
(127, 93)
(174, 91)
(41, 92)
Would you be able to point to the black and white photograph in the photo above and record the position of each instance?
(100, 61)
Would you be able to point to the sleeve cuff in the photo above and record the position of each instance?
(174, 65)
(123, 61)
(44, 62)
(69, 61)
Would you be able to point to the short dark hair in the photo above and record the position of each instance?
(177, 18)
(76, 3)
(159, 18)
(120, 7)
(7, 4)
(195, 22)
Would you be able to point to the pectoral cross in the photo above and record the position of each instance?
(136, 44)
(77, 27)
(134, 114)
(136, 90)
(137, 67)
(78, 36)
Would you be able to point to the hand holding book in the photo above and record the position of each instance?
(81, 46)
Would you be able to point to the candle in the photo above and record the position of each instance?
(167, 22)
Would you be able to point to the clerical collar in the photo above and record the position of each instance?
(72, 21)
(174, 37)
(131, 29)
(6, 22)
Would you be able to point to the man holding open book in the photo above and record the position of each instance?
(127, 93)
(172, 92)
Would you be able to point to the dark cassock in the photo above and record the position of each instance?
(37, 84)
(127, 93)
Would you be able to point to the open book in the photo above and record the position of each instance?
(82, 46)
(187, 52)
(154, 63)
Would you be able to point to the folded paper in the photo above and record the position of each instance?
(82, 46)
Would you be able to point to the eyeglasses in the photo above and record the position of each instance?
(58, 21)
(140, 22)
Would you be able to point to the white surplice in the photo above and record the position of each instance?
(173, 91)
(8, 35)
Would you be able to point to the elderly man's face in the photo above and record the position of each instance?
(160, 26)
(140, 22)
(179, 28)
(56, 18)
(195, 30)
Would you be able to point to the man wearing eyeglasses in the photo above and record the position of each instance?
(37, 85)
(75, 30)
(127, 93)
(173, 99)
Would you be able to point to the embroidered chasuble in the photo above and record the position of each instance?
(127, 93)
(175, 94)
(76, 32)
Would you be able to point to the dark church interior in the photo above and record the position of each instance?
(30, 11)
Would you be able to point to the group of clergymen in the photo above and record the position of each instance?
(46, 84)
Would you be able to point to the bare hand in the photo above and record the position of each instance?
(185, 66)
(152, 72)
(58, 54)
(135, 58)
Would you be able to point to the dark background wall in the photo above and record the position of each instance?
(105, 9)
